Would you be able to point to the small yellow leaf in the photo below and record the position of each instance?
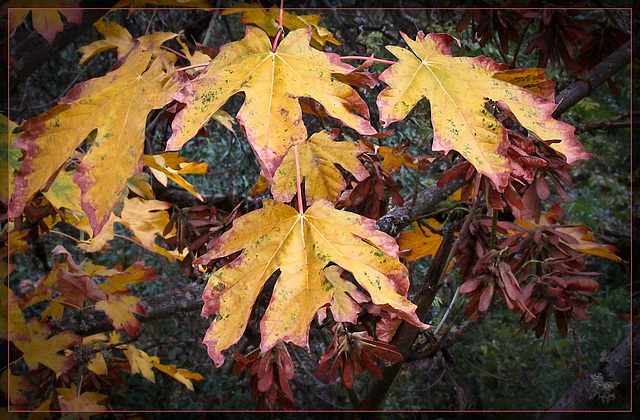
(118, 37)
(181, 375)
(419, 241)
(140, 362)
(259, 187)
(120, 310)
(318, 157)
(254, 14)
(40, 349)
(170, 165)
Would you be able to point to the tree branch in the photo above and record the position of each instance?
(595, 77)
(583, 394)
(165, 305)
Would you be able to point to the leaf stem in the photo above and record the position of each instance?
(195, 66)
(359, 57)
(298, 179)
(65, 235)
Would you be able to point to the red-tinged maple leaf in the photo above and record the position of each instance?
(71, 400)
(42, 349)
(120, 310)
(300, 246)
(458, 89)
(73, 283)
(134, 274)
(276, 79)
(117, 105)
(44, 15)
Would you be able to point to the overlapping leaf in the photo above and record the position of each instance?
(169, 165)
(458, 89)
(39, 348)
(116, 105)
(120, 310)
(318, 157)
(255, 14)
(118, 37)
(419, 241)
(272, 83)
(300, 246)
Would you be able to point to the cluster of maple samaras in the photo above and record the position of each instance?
(302, 247)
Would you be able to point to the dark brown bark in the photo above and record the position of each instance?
(583, 395)
(165, 305)
(595, 77)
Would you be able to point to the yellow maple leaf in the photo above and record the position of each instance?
(317, 158)
(458, 89)
(140, 362)
(118, 37)
(71, 400)
(120, 310)
(44, 15)
(117, 105)
(267, 20)
(181, 375)
(42, 349)
(419, 241)
(300, 246)
(272, 82)
(145, 218)
(169, 165)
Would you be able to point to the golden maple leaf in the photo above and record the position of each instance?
(120, 310)
(255, 14)
(317, 158)
(300, 247)
(117, 105)
(419, 241)
(71, 400)
(272, 82)
(118, 37)
(39, 348)
(458, 89)
(169, 165)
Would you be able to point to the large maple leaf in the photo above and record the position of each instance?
(299, 246)
(458, 89)
(116, 105)
(272, 82)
